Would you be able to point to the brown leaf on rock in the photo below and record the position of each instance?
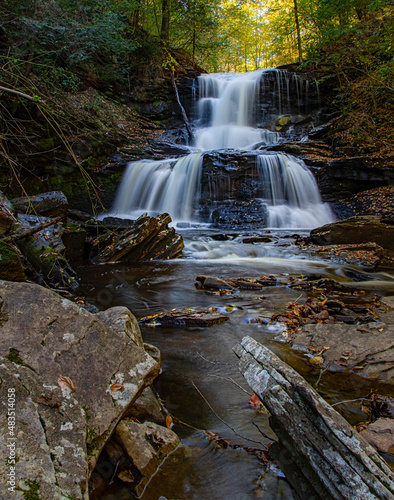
(66, 383)
(255, 401)
(116, 387)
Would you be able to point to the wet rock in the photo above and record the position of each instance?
(61, 433)
(185, 318)
(257, 239)
(51, 204)
(380, 434)
(146, 445)
(363, 349)
(366, 255)
(245, 214)
(213, 283)
(147, 407)
(147, 238)
(355, 230)
(11, 268)
(341, 177)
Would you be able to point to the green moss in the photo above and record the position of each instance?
(13, 355)
(34, 490)
(11, 268)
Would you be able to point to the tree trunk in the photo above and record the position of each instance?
(297, 23)
(321, 454)
(165, 21)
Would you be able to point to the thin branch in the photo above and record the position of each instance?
(229, 379)
(33, 230)
(17, 92)
(224, 422)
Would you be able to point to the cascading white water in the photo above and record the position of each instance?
(291, 193)
(160, 186)
(227, 113)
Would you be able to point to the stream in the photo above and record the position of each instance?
(201, 359)
(200, 384)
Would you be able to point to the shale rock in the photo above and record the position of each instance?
(147, 238)
(60, 433)
(146, 444)
(366, 350)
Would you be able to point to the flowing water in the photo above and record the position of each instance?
(200, 384)
(229, 112)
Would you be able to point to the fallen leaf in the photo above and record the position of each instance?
(255, 401)
(316, 360)
(357, 367)
(126, 476)
(66, 384)
(169, 422)
(116, 387)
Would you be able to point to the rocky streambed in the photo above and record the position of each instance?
(87, 417)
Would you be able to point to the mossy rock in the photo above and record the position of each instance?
(11, 268)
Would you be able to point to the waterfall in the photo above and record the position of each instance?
(234, 113)
(160, 186)
(290, 193)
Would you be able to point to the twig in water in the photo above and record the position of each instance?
(224, 422)
(233, 381)
(321, 373)
(212, 362)
(114, 474)
(350, 400)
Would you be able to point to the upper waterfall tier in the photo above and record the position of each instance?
(240, 110)
(231, 181)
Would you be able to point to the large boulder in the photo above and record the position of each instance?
(362, 229)
(73, 377)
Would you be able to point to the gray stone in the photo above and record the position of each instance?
(146, 444)
(380, 434)
(364, 349)
(147, 407)
(121, 320)
(44, 337)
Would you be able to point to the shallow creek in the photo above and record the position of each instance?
(199, 368)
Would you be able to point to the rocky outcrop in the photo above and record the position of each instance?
(73, 378)
(51, 204)
(355, 230)
(147, 238)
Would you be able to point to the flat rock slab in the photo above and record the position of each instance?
(366, 349)
(380, 434)
(60, 433)
(366, 255)
(185, 318)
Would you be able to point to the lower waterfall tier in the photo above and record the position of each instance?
(225, 187)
